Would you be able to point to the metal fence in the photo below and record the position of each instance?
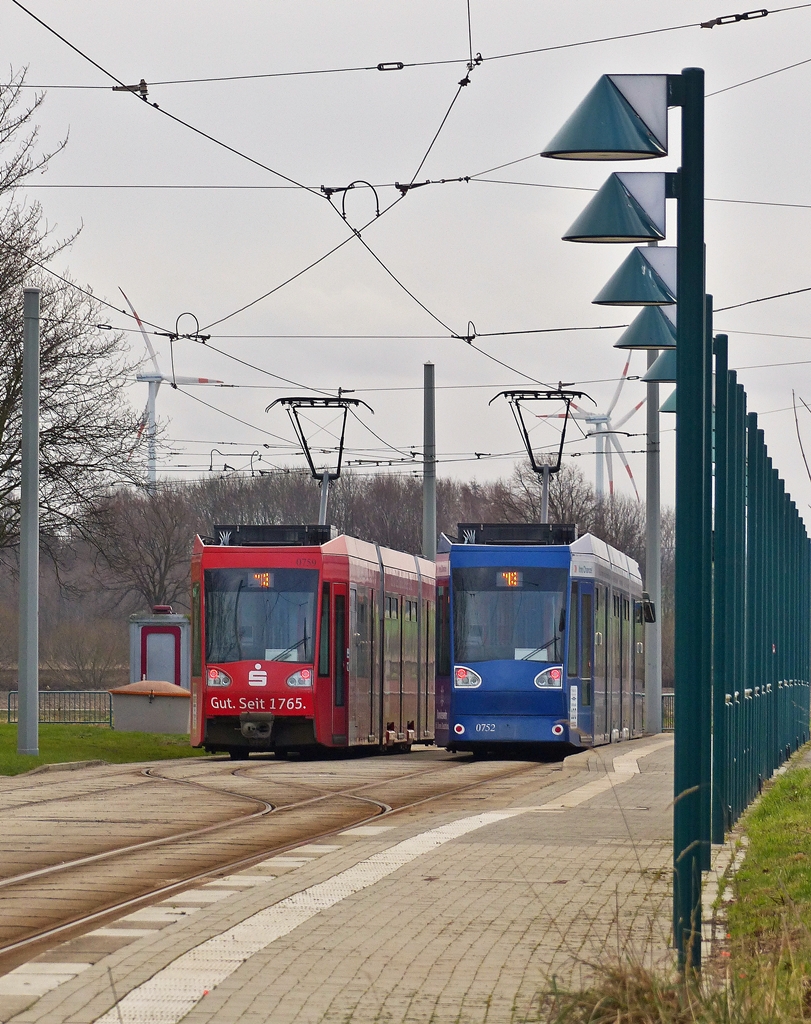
(668, 712)
(761, 623)
(63, 707)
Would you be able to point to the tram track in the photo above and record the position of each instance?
(271, 829)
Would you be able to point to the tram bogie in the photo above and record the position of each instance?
(302, 639)
(540, 639)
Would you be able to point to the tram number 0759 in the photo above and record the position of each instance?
(485, 727)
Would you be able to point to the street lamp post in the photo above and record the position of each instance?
(624, 117)
(692, 618)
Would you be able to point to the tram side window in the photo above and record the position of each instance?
(571, 657)
(443, 632)
(323, 649)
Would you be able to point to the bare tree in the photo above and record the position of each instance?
(142, 541)
(571, 498)
(88, 432)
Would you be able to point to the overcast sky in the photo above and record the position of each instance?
(486, 251)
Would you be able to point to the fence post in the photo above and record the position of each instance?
(721, 623)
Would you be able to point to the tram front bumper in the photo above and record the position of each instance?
(485, 729)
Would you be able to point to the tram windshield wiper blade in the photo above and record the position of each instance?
(543, 647)
(282, 654)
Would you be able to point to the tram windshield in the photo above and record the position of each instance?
(509, 614)
(262, 614)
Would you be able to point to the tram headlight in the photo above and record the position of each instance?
(466, 678)
(304, 677)
(216, 677)
(550, 678)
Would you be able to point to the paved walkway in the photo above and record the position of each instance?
(459, 916)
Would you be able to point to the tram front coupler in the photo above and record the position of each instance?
(256, 725)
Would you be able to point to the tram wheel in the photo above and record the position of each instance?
(238, 753)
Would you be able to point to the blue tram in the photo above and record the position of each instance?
(540, 639)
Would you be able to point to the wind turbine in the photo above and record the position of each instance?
(154, 381)
(604, 431)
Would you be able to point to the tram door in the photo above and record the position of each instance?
(615, 642)
(360, 666)
(392, 665)
(340, 662)
(600, 681)
(580, 659)
(587, 727)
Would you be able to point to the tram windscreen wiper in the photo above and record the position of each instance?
(281, 655)
(537, 650)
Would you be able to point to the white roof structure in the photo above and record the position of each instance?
(590, 545)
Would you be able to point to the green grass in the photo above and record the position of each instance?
(770, 919)
(767, 977)
(61, 743)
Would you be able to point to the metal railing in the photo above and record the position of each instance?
(68, 707)
(668, 712)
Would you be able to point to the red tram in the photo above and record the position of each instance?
(301, 639)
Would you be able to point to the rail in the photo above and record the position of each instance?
(67, 707)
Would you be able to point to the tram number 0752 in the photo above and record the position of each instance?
(485, 727)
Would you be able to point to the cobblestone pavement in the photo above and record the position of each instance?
(458, 916)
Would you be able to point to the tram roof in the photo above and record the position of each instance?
(587, 549)
(617, 560)
(400, 560)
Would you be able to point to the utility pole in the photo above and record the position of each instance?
(28, 657)
(429, 465)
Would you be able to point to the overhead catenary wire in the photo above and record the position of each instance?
(380, 66)
(401, 285)
(758, 78)
(387, 66)
(161, 110)
(239, 153)
(380, 185)
(763, 298)
(231, 416)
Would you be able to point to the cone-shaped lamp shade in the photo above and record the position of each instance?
(651, 328)
(669, 404)
(615, 215)
(663, 370)
(605, 127)
(636, 283)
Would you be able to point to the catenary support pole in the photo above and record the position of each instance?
(28, 658)
(653, 562)
(429, 465)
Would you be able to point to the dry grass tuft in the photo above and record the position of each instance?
(623, 993)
